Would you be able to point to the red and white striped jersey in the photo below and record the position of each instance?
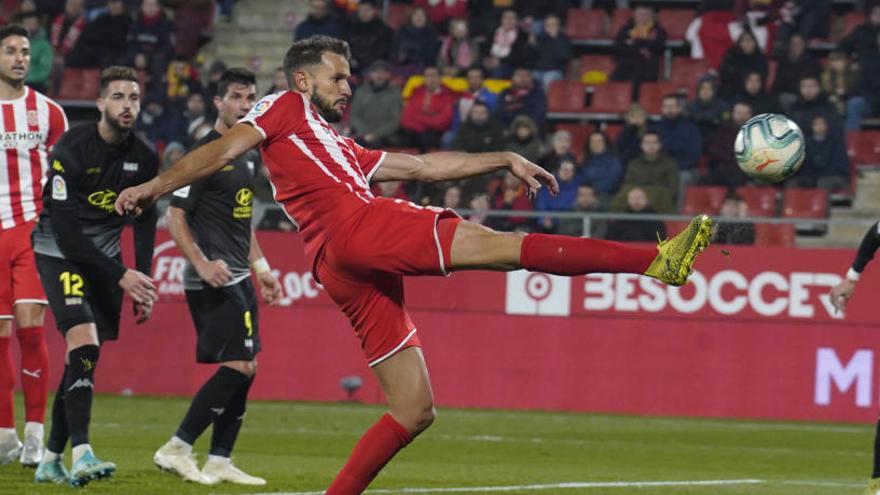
(29, 126)
(319, 177)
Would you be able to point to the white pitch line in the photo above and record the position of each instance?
(549, 486)
(822, 483)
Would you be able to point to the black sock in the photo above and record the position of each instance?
(210, 401)
(876, 473)
(59, 434)
(227, 425)
(79, 386)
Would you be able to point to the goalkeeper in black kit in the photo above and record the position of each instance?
(840, 294)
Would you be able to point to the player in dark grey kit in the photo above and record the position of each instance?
(210, 222)
(76, 242)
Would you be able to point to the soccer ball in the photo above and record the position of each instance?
(769, 147)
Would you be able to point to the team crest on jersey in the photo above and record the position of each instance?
(32, 118)
(129, 167)
(59, 188)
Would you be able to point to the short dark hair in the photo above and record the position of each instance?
(235, 75)
(672, 96)
(26, 15)
(12, 30)
(309, 52)
(117, 73)
(650, 133)
(479, 68)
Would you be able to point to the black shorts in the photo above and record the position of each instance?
(226, 322)
(76, 297)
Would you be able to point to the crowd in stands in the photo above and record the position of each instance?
(474, 75)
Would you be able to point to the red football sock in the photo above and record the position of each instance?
(34, 372)
(7, 384)
(378, 445)
(564, 255)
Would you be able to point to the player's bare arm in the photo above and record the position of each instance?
(450, 165)
(214, 272)
(270, 287)
(842, 292)
(197, 164)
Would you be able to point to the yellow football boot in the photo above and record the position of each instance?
(675, 257)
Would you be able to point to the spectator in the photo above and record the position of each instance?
(639, 47)
(510, 47)
(279, 82)
(812, 102)
(793, 66)
(568, 181)
(415, 45)
(755, 96)
(840, 79)
(552, 53)
(194, 115)
(452, 198)
(602, 169)
(826, 164)
(104, 40)
(180, 81)
(511, 196)
(743, 58)
(480, 209)
(66, 29)
(215, 72)
(523, 139)
(457, 51)
(523, 97)
(174, 151)
(655, 172)
(319, 20)
(706, 110)
(681, 138)
(42, 55)
(863, 39)
(585, 202)
(560, 151)
(739, 232)
(370, 39)
(150, 40)
(193, 25)
(626, 230)
(391, 189)
(156, 125)
(475, 92)
(441, 13)
(867, 102)
(481, 132)
(629, 141)
(376, 108)
(428, 113)
(813, 18)
(723, 168)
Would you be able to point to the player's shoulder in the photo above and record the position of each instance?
(77, 136)
(144, 151)
(207, 138)
(45, 99)
(282, 101)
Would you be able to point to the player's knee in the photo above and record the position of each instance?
(81, 335)
(5, 327)
(425, 417)
(29, 315)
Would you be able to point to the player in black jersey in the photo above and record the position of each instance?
(840, 294)
(76, 242)
(210, 222)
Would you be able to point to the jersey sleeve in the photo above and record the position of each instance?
(58, 124)
(272, 116)
(368, 160)
(187, 197)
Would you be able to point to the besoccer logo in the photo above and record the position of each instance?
(531, 293)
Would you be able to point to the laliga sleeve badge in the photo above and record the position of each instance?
(59, 188)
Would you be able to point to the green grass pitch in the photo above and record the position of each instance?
(299, 447)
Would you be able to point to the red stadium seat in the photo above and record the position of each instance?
(79, 84)
(675, 226)
(584, 24)
(579, 135)
(619, 17)
(651, 94)
(761, 200)
(703, 199)
(398, 15)
(687, 71)
(675, 22)
(613, 131)
(612, 97)
(774, 235)
(863, 147)
(566, 96)
(805, 203)
(604, 63)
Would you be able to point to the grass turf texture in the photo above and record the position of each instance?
(300, 447)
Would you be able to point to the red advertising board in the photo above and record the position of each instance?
(753, 335)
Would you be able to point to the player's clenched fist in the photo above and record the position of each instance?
(133, 200)
(139, 286)
(270, 288)
(841, 293)
(215, 272)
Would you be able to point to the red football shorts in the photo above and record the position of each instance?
(19, 280)
(363, 263)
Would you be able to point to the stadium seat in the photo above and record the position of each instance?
(863, 148)
(79, 84)
(398, 15)
(774, 235)
(566, 96)
(805, 203)
(687, 71)
(579, 135)
(612, 131)
(604, 63)
(651, 94)
(619, 17)
(585, 24)
(612, 97)
(761, 200)
(675, 22)
(675, 226)
(703, 199)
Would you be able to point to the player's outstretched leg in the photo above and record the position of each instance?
(34, 384)
(477, 247)
(51, 468)
(10, 446)
(226, 427)
(404, 378)
(209, 403)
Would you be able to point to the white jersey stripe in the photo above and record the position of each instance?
(25, 179)
(331, 145)
(43, 108)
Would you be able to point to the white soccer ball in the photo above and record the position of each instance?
(770, 147)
